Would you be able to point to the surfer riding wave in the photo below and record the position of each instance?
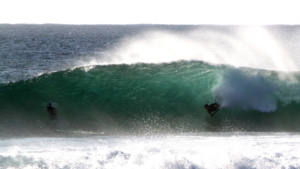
(212, 109)
(52, 112)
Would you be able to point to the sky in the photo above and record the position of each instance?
(253, 12)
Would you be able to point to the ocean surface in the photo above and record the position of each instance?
(132, 96)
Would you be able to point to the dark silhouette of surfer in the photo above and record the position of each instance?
(52, 112)
(212, 109)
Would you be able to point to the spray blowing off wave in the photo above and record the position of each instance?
(253, 47)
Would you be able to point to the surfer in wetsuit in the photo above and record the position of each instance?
(212, 109)
(52, 112)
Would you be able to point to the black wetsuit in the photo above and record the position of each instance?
(212, 108)
(52, 112)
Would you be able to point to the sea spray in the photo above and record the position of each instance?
(237, 89)
(258, 47)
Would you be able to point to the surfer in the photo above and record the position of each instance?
(52, 112)
(212, 109)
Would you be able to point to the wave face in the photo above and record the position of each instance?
(143, 98)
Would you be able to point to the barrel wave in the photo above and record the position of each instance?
(147, 98)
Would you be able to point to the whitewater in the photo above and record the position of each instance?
(132, 96)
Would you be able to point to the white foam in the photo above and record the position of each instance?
(207, 150)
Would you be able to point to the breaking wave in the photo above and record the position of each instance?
(154, 97)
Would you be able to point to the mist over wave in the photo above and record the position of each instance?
(31, 50)
(261, 47)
